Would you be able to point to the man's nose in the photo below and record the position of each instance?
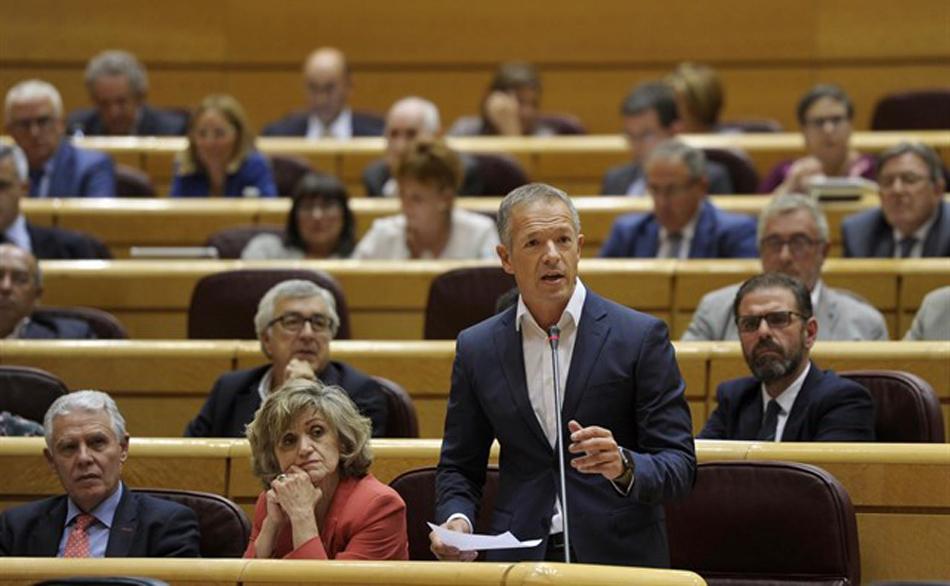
(83, 454)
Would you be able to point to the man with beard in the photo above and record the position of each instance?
(295, 322)
(787, 398)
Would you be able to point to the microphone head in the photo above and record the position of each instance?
(554, 333)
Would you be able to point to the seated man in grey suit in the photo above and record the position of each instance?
(683, 223)
(33, 113)
(793, 239)
(787, 398)
(86, 446)
(43, 242)
(328, 84)
(21, 286)
(913, 220)
(932, 321)
(410, 119)
(295, 322)
(118, 86)
(650, 117)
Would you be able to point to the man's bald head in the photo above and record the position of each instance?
(327, 81)
(409, 119)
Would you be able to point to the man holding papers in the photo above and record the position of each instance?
(627, 427)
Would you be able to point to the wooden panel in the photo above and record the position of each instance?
(895, 546)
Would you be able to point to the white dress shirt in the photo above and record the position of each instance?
(687, 239)
(18, 235)
(342, 127)
(917, 250)
(785, 400)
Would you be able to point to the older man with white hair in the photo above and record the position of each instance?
(295, 322)
(410, 119)
(33, 111)
(86, 447)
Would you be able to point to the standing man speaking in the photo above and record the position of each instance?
(628, 434)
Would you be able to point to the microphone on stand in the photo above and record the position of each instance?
(554, 335)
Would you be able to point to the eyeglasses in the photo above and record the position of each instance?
(776, 320)
(670, 190)
(798, 245)
(293, 322)
(819, 122)
(41, 122)
(325, 206)
(909, 179)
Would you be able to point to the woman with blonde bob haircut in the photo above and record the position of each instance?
(220, 159)
(310, 448)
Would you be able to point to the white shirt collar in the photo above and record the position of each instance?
(341, 127)
(920, 234)
(815, 296)
(18, 235)
(263, 388)
(572, 313)
(687, 238)
(785, 400)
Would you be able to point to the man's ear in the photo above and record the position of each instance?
(124, 444)
(811, 332)
(49, 459)
(505, 259)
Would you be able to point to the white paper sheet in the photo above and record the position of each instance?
(474, 541)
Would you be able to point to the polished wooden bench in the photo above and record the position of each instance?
(226, 572)
(901, 492)
(123, 223)
(151, 297)
(574, 163)
(161, 385)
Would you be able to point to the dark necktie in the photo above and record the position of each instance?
(36, 178)
(907, 244)
(767, 431)
(676, 243)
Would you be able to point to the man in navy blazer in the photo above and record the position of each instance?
(913, 220)
(294, 349)
(328, 85)
(627, 424)
(34, 118)
(787, 398)
(86, 446)
(683, 223)
(118, 86)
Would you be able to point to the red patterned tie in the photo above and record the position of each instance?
(77, 546)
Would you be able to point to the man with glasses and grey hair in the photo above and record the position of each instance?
(118, 85)
(914, 219)
(86, 447)
(787, 398)
(793, 240)
(33, 112)
(683, 223)
(295, 322)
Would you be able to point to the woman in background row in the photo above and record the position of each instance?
(824, 114)
(310, 448)
(430, 226)
(320, 224)
(220, 159)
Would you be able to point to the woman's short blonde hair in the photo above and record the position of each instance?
(701, 89)
(233, 112)
(296, 397)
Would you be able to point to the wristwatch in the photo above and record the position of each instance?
(627, 475)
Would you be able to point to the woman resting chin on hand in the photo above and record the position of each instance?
(310, 448)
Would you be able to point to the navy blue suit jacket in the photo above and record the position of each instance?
(81, 173)
(296, 125)
(235, 398)
(56, 328)
(867, 234)
(828, 408)
(623, 376)
(152, 122)
(143, 526)
(718, 234)
(57, 243)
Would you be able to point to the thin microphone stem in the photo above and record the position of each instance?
(554, 335)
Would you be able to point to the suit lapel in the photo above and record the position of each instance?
(511, 356)
(650, 245)
(124, 525)
(938, 239)
(44, 540)
(62, 171)
(796, 418)
(750, 418)
(702, 233)
(588, 343)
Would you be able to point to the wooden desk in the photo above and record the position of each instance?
(901, 492)
(161, 385)
(123, 223)
(151, 297)
(573, 163)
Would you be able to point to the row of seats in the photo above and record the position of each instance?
(161, 406)
(175, 299)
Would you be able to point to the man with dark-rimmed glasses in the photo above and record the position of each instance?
(295, 322)
(787, 398)
(793, 240)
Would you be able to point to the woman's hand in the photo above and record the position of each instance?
(799, 174)
(298, 368)
(298, 497)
